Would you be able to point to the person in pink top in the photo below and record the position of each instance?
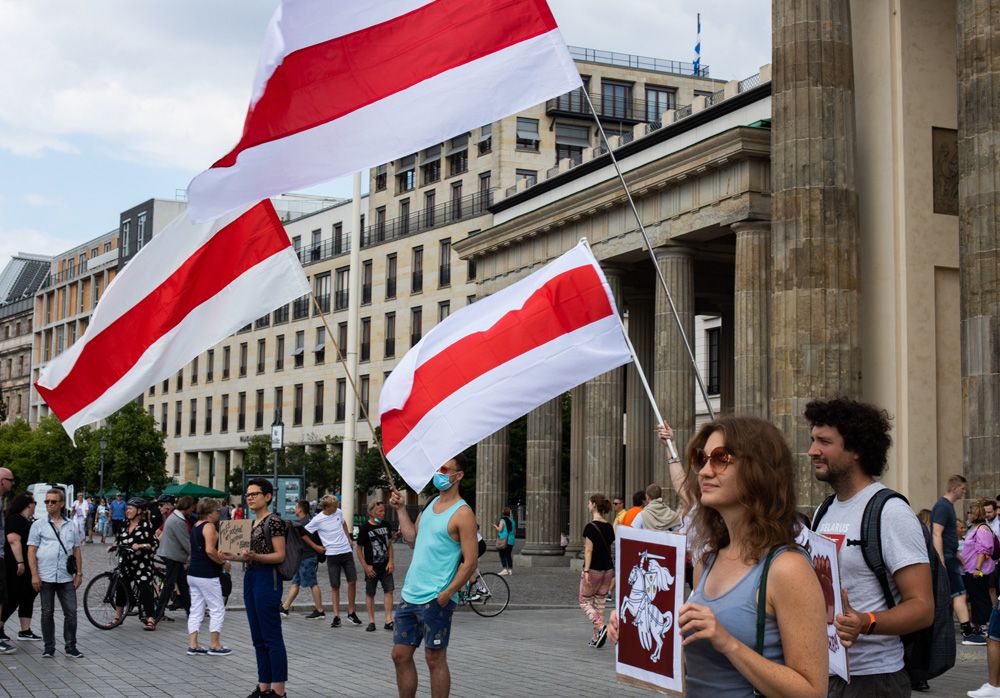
(977, 563)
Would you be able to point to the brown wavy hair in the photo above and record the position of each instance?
(765, 475)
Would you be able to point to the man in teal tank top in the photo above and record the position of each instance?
(444, 533)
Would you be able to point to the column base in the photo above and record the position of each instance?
(547, 560)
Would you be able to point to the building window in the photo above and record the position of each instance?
(458, 155)
(208, 415)
(390, 335)
(226, 353)
(485, 180)
(712, 340)
(297, 405)
(417, 267)
(470, 270)
(406, 175)
(298, 354)
(429, 212)
(140, 232)
(241, 412)
(570, 142)
(279, 353)
(180, 379)
(178, 417)
(243, 359)
(177, 465)
(342, 338)
(390, 276)
(321, 289)
(430, 165)
(444, 263)
(416, 324)
(366, 338)
(319, 350)
(258, 417)
(261, 352)
(279, 403)
(456, 200)
(381, 177)
(300, 307)
(193, 418)
(297, 246)
(224, 417)
(444, 310)
(530, 176)
(163, 418)
(280, 315)
(338, 238)
(659, 100)
(194, 371)
(404, 217)
(210, 366)
(341, 296)
(341, 399)
(366, 282)
(126, 226)
(318, 403)
(364, 388)
(380, 224)
(527, 134)
(485, 143)
(616, 99)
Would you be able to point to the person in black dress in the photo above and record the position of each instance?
(20, 594)
(136, 546)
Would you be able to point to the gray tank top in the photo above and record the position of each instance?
(710, 673)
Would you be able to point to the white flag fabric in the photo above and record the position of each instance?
(343, 86)
(190, 287)
(491, 362)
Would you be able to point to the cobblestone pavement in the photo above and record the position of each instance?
(524, 651)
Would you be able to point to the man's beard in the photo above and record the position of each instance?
(833, 474)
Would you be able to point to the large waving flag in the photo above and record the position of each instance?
(491, 362)
(192, 286)
(342, 86)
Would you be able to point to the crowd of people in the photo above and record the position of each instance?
(736, 506)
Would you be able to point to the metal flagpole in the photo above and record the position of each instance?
(659, 273)
(351, 365)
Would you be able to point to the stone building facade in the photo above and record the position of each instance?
(18, 282)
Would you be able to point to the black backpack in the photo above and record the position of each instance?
(929, 652)
(295, 548)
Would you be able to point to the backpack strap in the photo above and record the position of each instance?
(762, 604)
(871, 540)
(821, 511)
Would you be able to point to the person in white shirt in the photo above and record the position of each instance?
(336, 540)
(79, 509)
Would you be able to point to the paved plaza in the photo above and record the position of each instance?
(537, 646)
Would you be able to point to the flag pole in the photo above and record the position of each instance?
(652, 256)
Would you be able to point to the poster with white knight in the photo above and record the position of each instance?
(823, 553)
(649, 592)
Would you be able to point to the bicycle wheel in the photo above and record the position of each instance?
(99, 601)
(494, 595)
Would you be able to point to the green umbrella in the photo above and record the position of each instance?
(194, 490)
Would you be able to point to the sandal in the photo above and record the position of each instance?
(150, 624)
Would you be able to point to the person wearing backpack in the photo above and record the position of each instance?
(978, 565)
(850, 440)
(505, 541)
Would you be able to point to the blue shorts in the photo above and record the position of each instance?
(306, 576)
(955, 582)
(993, 629)
(413, 622)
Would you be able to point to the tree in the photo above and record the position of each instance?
(257, 457)
(135, 459)
(3, 407)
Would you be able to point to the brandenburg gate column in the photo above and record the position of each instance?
(815, 327)
(544, 449)
(577, 462)
(673, 375)
(640, 439)
(492, 454)
(979, 238)
(752, 317)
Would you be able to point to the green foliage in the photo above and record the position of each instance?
(323, 465)
(257, 458)
(3, 407)
(44, 454)
(369, 474)
(135, 458)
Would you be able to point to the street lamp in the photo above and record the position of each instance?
(103, 443)
(277, 443)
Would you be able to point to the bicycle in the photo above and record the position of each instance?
(487, 593)
(110, 591)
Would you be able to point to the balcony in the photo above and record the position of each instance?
(340, 300)
(427, 219)
(627, 60)
(617, 109)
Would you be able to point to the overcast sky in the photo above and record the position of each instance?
(112, 102)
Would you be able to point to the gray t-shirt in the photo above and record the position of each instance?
(903, 544)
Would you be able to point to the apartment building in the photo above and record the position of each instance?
(19, 281)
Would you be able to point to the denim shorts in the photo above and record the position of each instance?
(306, 575)
(955, 582)
(413, 622)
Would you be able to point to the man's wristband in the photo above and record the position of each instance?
(871, 624)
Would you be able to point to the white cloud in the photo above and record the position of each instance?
(32, 241)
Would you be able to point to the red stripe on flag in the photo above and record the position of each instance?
(325, 81)
(252, 238)
(567, 302)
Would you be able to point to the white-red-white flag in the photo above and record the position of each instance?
(343, 86)
(491, 362)
(190, 287)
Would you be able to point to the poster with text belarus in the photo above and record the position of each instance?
(649, 592)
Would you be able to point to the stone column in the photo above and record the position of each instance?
(543, 484)
(640, 440)
(752, 320)
(815, 329)
(492, 454)
(605, 404)
(673, 376)
(204, 467)
(727, 368)
(979, 238)
(577, 458)
(235, 461)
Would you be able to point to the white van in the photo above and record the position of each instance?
(39, 489)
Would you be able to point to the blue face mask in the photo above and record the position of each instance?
(442, 482)
(376, 519)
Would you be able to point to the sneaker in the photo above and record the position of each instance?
(974, 639)
(197, 651)
(3, 635)
(388, 626)
(219, 651)
(6, 649)
(28, 636)
(283, 611)
(919, 685)
(74, 653)
(602, 637)
(370, 628)
(475, 596)
(48, 654)
(985, 691)
(503, 573)
(257, 693)
(315, 615)
(592, 643)
(353, 617)
(336, 622)
(510, 572)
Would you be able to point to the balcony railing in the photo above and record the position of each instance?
(612, 109)
(390, 347)
(627, 60)
(300, 308)
(427, 219)
(340, 300)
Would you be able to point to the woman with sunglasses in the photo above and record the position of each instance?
(136, 545)
(742, 478)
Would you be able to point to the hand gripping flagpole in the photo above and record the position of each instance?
(659, 274)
